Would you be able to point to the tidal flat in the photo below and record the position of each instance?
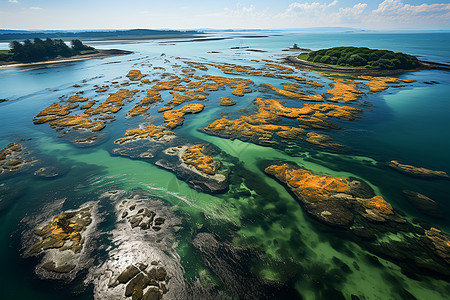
(191, 170)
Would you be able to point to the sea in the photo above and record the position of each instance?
(409, 123)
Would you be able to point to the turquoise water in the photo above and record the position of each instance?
(409, 124)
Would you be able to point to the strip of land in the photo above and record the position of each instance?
(99, 54)
(424, 65)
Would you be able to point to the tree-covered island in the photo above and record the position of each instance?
(43, 50)
(361, 57)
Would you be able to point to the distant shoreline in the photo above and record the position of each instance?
(424, 65)
(100, 54)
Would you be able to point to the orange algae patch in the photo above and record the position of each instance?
(175, 118)
(282, 92)
(292, 134)
(76, 98)
(377, 203)
(417, 171)
(187, 96)
(314, 83)
(135, 75)
(226, 101)
(322, 140)
(315, 187)
(167, 85)
(55, 109)
(211, 86)
(343, 90)
(195, 84)
(241, 89)
(142, 106)
(317, 98)
(151, 131)
(379, 84)
(65, 227)
(195, 157)
(88, 105)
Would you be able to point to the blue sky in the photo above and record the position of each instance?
(193, 14)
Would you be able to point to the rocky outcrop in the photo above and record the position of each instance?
(135, 75)
(226, 101)
(64, 231)
(439, 243)
(11, 158)
(191, 164)
(417, 171)
(150, 132)
(175, 118)
(424, 204)
(333, 200)
(343, 90)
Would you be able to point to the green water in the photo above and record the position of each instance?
(407, 124)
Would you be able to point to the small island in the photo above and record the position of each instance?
(361, 57)
(361, 60)
(48, 51)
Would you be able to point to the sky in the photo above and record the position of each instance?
(225, 14)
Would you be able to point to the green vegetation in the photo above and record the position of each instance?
(361, 57)
(42, 50)
(5, 55)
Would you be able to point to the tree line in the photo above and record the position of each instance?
(41, 50)
(362, 57)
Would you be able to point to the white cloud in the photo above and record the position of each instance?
(352, 12)
(35, 8)
(398, 8)
(396, 13)
(13, 1)
(243, 11)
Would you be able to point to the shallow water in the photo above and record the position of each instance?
(405, 123)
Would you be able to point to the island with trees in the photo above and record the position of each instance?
(362, 57)
(361, 61)
(51, 51)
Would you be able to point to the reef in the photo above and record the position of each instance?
(226, 101)
(151, 131)
(135, 75)
(175, 118)
(417, 171)
(64, 243)
(193, 165)
(380, 83)
(351, 205)
(11, 158)
(343, 90)
(333, 200)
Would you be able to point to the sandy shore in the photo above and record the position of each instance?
(100, 54)
(296, 62)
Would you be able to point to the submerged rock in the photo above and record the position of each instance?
(417, 171)
(424, 204)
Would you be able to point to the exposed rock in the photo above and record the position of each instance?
(65, 229)
(417, 171)
(424, 204)
(11, 158)
(135, 75)
(379, 84)
(127, 274)
(439, 243)
(226, 101)
(333, 200)
(175, 118)
(196, 168)
(151, 131)
(322, 140)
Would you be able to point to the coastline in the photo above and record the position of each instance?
(100, 54)
(297, 62)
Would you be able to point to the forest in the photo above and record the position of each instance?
(42, 50)
(361, 57)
